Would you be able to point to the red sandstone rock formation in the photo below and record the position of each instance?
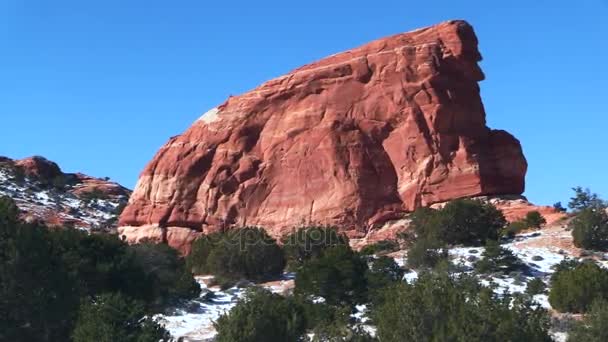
(38, 167)
(355, 139)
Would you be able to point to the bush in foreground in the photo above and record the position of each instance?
(166, 272)
(245, 253)
(310, 242)
(45, 274)
(261, 316)
(113, 317)
(426, 253)
(585, 199)
(575, 286)
(338, 276)
(462, 221)
(534, 219)
(590, 229)
(593, 326)
(438, 307)
(383, 272)
(497, 259)
(535, 287)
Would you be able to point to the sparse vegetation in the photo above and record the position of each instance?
(93, 196)
(534, 219)
(497, 259)
(514, 228)
(559, 207)
(585, 199)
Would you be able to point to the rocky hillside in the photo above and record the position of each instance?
(355, 140)
(44, 192)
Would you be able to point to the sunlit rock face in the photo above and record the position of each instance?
(355, 139)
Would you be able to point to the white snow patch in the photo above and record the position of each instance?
(210, 115)
(196, 322)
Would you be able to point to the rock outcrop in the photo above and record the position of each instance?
(45, 193)
(356, 139)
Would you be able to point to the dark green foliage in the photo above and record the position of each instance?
(338, 275)
(262, 316)
(18, 174)
(9, 212)
(564, 265)
(536, 286)
(38, 297)
(44, 275)
(573, 289)
(590, 229)
(166, 273)
(461, 221)
(310, 242)
(559, 207)
(100, 263)
(382, 272)
(534, 219)
(585, 199)
(593, 326)
(197, 259)
(497, 259)
(514, 228)
(384, 246)
(113, 317)
(246, 253)
(426, 253)
(438, 307)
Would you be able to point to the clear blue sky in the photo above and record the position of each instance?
(99, 86)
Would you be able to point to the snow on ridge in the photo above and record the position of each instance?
(209, 116)
(41, 202)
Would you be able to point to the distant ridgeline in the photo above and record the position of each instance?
(44, 193)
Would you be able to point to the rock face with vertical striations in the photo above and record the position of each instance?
(355, 139)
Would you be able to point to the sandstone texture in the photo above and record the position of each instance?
(354, 140)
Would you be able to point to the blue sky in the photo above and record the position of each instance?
(99, 86)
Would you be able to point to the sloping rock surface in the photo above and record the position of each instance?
(355, 139)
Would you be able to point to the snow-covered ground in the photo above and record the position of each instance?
(194, 321)
(63, 205)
